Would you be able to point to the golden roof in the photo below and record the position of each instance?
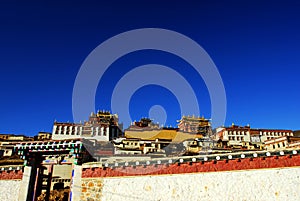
(164, 134)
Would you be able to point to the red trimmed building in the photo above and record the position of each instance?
(244, 136)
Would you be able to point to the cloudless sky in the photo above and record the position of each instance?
(254, 44)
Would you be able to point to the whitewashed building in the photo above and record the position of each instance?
(243, 135)
(101, 126)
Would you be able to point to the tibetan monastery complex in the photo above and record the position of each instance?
(77, 161)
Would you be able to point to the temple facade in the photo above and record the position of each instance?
(102, 126)
(192, 124)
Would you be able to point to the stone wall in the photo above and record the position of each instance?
(263, 184)
(192, 165)
(91, 189)
(235, 176)
(9, 190)
(10, 182)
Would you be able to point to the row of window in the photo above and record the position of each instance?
(277, 134)
(236, 138)
(150, 150)
(71, 130)
(264, 133)
(237, 132)
(279, 145)
(68, 132)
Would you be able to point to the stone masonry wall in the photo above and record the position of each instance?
(263, 184)
(91, 189)
(9, 190)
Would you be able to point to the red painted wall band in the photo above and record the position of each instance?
(11, 174)
(210, 166)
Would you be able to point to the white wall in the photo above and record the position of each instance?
(9, 190)
(76, 183)
(264, 184)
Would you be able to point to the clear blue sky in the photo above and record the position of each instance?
(254, 44)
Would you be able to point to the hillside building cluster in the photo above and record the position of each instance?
(51, 156)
